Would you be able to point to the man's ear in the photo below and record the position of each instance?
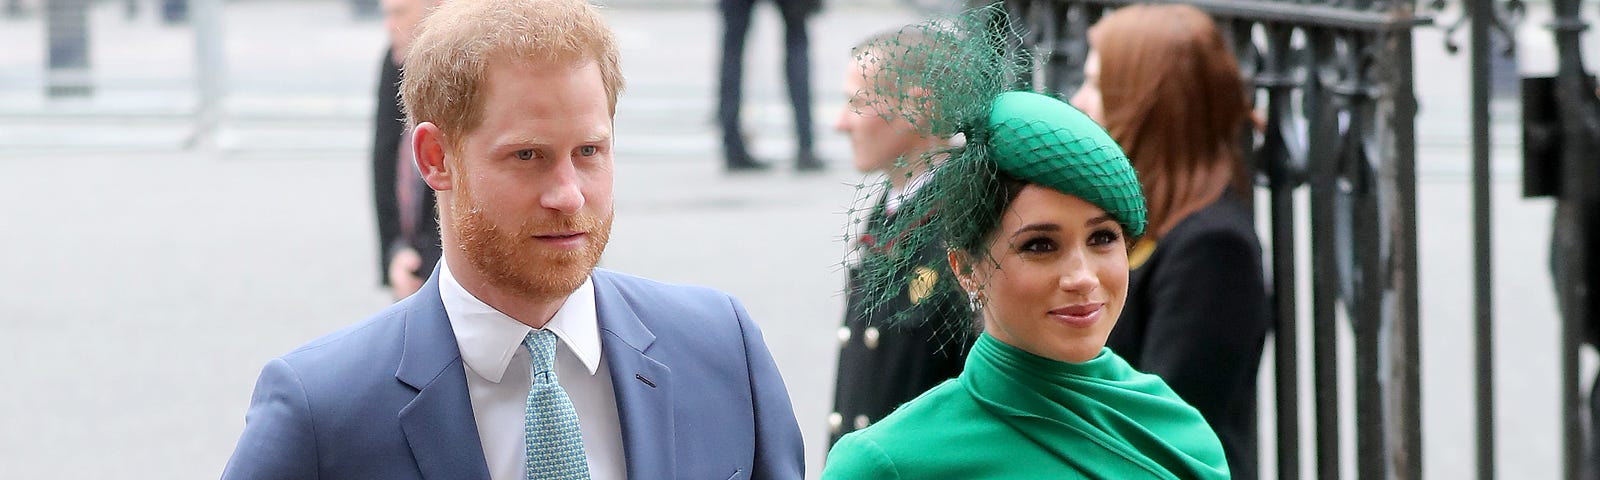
(428, 148)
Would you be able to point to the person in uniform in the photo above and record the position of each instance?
(1037, 211)
(881, 367)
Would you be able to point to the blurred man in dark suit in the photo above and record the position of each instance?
(408, 232)
(797, 68)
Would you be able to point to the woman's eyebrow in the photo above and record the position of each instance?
(1037, 227)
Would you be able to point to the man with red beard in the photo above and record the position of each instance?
(517, 358)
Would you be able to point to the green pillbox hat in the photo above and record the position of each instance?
(1043, 140)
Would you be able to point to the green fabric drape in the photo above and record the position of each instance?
(1012, 414)
(1103, 416)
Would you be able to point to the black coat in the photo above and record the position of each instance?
(389, 124)
(880, 366)
(1197, 315)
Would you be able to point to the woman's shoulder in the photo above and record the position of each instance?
(893, 447)
(923, 414)
(1225, 223)
(916, 441)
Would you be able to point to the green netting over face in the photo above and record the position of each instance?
(939, 75)
(952, 77)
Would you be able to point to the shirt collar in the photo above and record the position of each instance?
(489, 339)
(896, 197)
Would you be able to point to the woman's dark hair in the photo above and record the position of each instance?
(976, 243)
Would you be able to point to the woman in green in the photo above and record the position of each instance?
(1037, 211)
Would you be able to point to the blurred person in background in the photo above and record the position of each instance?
(1037, 210)
(1163, 81)
(882, 366)
(174, 12)
(797, 69)
(518, 359)
(408, 232)
(365, 9)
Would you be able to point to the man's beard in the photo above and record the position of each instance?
(515, 262)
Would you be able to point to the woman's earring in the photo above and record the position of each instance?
(975, 301)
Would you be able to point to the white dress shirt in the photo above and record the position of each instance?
(898, 196)
(498, 380)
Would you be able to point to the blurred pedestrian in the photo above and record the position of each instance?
(797, 69)
(1164, 82)
(1037, 210)
(881, 365)
(174, 12)
(1574, 232)
(365, 9)
(408, 232)
(518, 358)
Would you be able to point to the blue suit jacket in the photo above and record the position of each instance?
(698, 394)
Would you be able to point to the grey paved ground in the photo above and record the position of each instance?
(145, 283)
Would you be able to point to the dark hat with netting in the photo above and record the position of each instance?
(958, 78)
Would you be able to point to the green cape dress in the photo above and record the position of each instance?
(1012, 414)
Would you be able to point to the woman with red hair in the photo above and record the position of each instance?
(1164, 83)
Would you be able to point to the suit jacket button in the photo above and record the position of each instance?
(862, 422)
(870, 337)
(844, 335)
(835, 422)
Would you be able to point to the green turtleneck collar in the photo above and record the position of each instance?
(1102, 416)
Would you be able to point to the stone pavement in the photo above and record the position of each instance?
(146, 282)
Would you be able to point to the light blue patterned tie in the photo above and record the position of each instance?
(555, 445)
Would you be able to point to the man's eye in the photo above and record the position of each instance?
(588, 150)
(525, 154)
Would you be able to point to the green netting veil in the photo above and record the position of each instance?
(954, 77)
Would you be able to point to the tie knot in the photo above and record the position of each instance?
(541, 345)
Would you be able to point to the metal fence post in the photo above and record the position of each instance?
(1401, 308)
(1482, 15)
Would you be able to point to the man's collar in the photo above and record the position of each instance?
(578, 325)
(898, 196)
(489, 338)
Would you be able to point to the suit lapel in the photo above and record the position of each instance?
(438, 423)
(643, 386)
